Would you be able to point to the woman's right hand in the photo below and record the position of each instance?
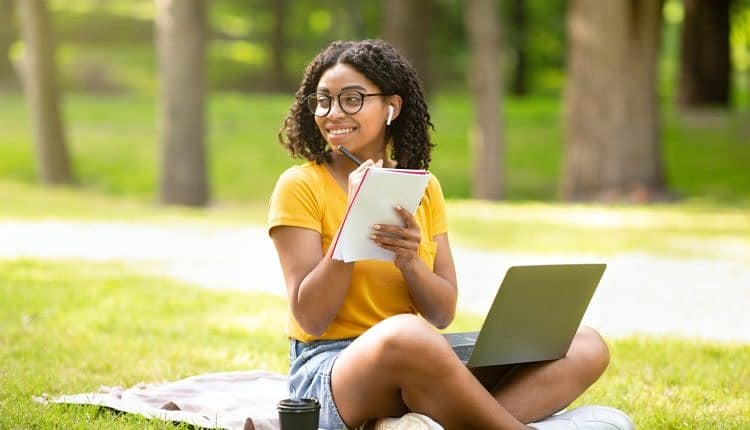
(355, 177)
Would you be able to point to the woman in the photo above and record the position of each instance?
(363, 335)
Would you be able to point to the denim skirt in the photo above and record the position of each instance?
(310, 367)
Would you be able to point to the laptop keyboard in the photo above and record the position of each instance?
(463, 351)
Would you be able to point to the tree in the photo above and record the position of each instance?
(613, 147)
(485, 80)
(517, 39)
(39, 79)
(704, 54)
(407, 27)
(181, 41)
(278, 76)
(7, 36)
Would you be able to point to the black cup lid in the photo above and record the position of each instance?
(299, 404)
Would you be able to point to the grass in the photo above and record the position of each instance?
(71, 326)
(686, 230)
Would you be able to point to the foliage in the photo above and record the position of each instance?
(740, 36)
(70, 327)
(101, 35)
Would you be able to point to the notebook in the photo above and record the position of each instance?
(373, 203)
(536, 312)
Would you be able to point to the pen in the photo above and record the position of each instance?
(349, 155)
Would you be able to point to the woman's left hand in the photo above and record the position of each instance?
(402, 240)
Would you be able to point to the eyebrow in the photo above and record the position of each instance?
(348, 87)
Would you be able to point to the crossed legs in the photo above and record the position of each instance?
(402, 364)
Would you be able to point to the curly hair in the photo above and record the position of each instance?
(393, 74)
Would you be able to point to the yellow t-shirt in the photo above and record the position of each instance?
(308, 196)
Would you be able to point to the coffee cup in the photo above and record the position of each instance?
(299, 413)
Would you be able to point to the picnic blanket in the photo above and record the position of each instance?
(227, 400)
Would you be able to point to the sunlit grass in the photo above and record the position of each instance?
(683, 229)
(70, 327)
(668, 383)
(600, 229)
(28, 202)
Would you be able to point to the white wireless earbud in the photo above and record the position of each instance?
(390, 115)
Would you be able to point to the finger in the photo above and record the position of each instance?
(365, 165)
(355, 176)
(395, 242)
(405, 215)
(391, 230)
(411, 234)
(396, 249)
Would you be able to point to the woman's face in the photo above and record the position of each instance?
(362, 132)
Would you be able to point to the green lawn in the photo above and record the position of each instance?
(69, 327)
(685, 229)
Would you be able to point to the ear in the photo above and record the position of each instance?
(393, 108)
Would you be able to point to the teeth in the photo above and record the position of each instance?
(341, 131)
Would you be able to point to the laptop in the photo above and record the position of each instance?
(534, 317)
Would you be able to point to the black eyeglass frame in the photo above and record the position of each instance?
(314, 97)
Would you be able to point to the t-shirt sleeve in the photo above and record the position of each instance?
(437, 206)
(293, 201)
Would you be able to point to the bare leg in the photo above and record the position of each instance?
(535, 391)
(402, 364)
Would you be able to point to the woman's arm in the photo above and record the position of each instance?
(316, 286)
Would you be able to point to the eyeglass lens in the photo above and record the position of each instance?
(349, 101)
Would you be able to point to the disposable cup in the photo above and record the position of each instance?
(299, 413)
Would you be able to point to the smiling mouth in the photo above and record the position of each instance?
(340, 131)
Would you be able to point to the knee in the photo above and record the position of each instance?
(404, 338)
(591, 354)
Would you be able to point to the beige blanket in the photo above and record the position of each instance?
(228, 400)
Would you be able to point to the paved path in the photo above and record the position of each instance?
(639, 293)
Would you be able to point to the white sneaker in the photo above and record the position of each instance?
(586, 418)
(409, 421)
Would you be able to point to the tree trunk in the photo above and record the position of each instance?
(485, 80)
(278, 78)
(613, 149)
(354, 15)
(407, 27)
(181, 40)
(518, 37)
(39, 78)
(704, 54)
(7, 37)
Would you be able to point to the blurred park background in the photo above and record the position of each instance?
(562, 128)
(655, 109)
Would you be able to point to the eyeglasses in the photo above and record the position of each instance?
(350, 102)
